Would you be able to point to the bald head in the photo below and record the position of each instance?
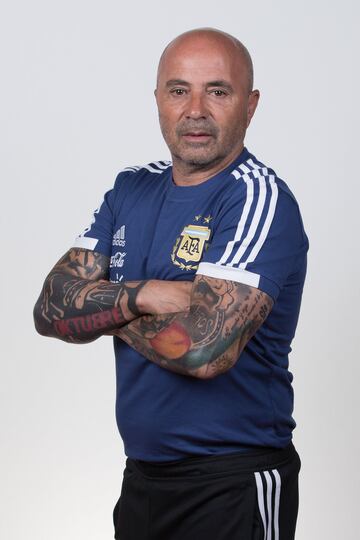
(200, 37)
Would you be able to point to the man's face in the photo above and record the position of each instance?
(204, 101)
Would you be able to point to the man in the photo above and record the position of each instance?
(196, 266)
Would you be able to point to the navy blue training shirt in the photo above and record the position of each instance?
(244, 225)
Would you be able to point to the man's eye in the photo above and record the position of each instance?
(218, 92)
(178, 91)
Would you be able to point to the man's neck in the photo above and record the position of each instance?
(191, 175)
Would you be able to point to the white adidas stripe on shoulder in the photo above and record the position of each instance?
(244, 168)
(164, 165)
(254, 165)
(252, 173)
(243, 219)
(236, 173)
(157, 167)
(266, 226)
(134, 168)
(151, 168)
(254, 223)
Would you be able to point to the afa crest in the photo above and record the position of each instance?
(189, 246)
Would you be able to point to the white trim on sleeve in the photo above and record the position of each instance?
(227, 272)
(85, 242)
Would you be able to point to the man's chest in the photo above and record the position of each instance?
(161, 238)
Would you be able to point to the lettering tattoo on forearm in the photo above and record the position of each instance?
(78, 305)
(208, 339)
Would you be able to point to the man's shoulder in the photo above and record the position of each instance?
(154, 168)
(137, 177)
(255, 175)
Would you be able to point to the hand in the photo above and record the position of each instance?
(160, 296)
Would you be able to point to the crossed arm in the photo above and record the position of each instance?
(197, 329)
(78, 304)
(206, 340)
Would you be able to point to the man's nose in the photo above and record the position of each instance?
(196, 106)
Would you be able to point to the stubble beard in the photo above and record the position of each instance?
(193, 156)
(196, 155)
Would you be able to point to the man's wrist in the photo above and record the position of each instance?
(139, 305)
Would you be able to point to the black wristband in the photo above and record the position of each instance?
(132, 295)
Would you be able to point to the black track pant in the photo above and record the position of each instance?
(229, 497)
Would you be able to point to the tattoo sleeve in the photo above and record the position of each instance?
(207, 340)
(77, 304)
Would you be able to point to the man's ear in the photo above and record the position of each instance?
(252, 104)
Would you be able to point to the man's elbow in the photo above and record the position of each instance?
(47, 327)
(214, 368)
(41, 325)
(209, 371)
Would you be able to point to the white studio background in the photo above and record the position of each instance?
(77, 105)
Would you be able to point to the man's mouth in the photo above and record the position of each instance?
(197, 135)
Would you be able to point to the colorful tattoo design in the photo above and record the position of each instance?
(208, 339)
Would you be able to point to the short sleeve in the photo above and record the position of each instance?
(98, 234)
(259, 239)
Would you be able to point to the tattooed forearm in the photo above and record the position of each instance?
(83, 263)
(78, 305)
(207, 340)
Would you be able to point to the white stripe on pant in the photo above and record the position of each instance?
(271, 522)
